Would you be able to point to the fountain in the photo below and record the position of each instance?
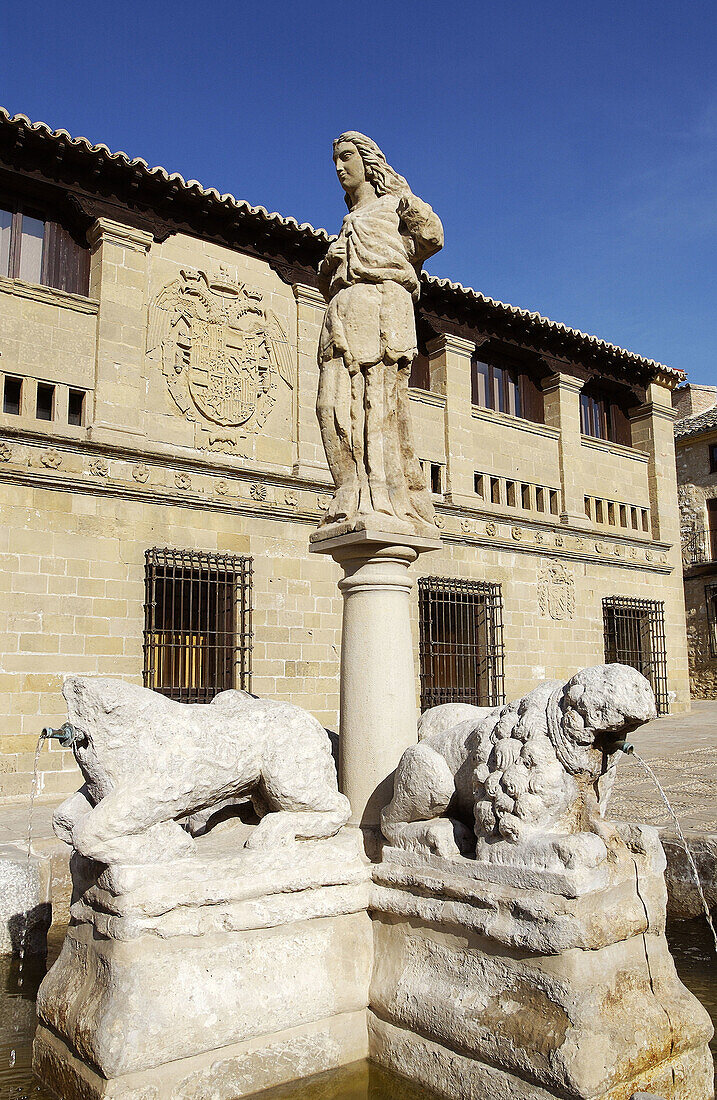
(462, 913)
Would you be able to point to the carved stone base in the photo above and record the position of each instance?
(226, 1073)
(223, 972)
(483, 988)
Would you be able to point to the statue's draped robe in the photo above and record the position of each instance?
(370, 279)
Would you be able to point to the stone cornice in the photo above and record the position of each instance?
(48, 295)
(87, 471)
(308, 295)
(447, 342)
(619, 449)
(517, 422)
(653, 410)
(561, 381)
(111, 232)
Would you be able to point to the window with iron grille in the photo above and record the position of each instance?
(635, 635)
(198, 627)
(461, 642)
(711, 601)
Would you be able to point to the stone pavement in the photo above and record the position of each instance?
(682, 751)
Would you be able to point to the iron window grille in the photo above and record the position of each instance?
(635, 635)
(461, 642)
(711, 601)
(198, 623)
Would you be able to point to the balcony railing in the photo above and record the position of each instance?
(700, 548)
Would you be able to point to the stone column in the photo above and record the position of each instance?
(562, 411)
(309, 457)
(119, 269)
(451, 373)
(378, 685)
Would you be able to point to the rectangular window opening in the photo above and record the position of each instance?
(436, 478)
(623, 516)
(599, 511)
(478, 484)
(634, 519)
(634, 634)
(198, 624)
(76, 407)
(645, 519)
(588, 512)
(711, 601)
(554, 502)
(525, 496)
(511, 494)
(611, 513)
(12, 396)
(461, 642)
(495, 490)
(45, 406)
(713, 446)
(539, 498)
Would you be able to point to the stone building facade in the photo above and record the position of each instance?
(696, 455)
(161, 467)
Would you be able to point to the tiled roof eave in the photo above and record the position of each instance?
(552, 334)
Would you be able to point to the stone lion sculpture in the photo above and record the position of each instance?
(533, 774)
(148, 761)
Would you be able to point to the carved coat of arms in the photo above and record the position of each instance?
(220, 349)
(556, 591)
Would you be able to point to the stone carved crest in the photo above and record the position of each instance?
(220, 349)
(556, 591)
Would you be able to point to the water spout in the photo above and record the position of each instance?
(630, 750)
(67, 735)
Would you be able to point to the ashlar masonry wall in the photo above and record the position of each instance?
(152, 465)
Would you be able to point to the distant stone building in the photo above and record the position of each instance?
(696, 454)
(161, 467)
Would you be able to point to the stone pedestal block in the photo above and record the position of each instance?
(378, 692)
(481, 988)
(220, 975)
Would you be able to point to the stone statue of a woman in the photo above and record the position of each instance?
(370, 279)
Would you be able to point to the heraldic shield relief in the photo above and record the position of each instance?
(220, 350)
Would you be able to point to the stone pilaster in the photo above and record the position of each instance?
(119, 271)
(562, 411)
(653, 432)
(450, 358)
(309, 458)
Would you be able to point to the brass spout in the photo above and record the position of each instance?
(67, 735)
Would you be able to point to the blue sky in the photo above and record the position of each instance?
(569, 147)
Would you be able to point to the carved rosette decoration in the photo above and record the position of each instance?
(220, 349)
(140, 473)
(51, 458)
(100, 467)
(5, 452)
(556, 591)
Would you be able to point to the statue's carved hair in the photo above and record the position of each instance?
(384, 179)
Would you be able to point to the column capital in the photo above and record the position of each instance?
(652, 410)
(447, 342)
(107, 231)
(308, 295)
(561, 381)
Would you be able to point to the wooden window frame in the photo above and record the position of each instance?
(65, 263)
(601, 417)
(509, 389)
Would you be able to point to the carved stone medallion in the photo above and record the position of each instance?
(220, 349)
(556, 591)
